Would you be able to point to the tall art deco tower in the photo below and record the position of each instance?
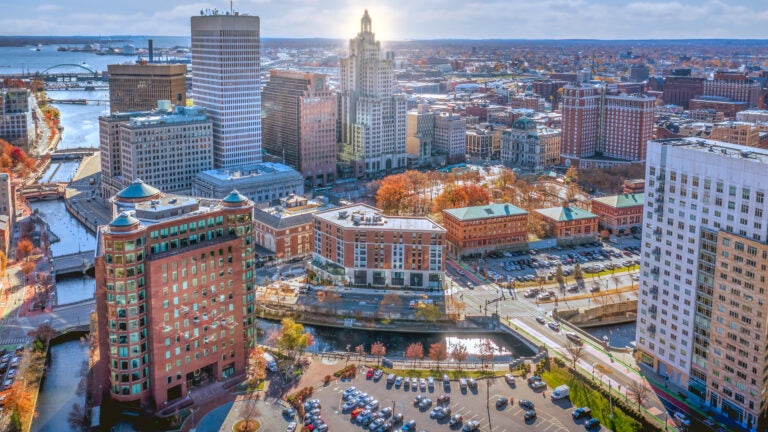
(372, 116)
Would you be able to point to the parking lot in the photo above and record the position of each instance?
(470, 403)
(530, 266)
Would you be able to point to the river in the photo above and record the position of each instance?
(60, 389)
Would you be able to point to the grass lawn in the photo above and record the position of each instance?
(582, 395)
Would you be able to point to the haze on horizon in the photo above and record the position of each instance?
(404, 19)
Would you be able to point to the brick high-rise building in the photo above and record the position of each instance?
(701, 301)
(581, 114)
(735, 86)
(681, 87)
(601, 126)
(174, 294)
(138, 87)
(372, 115)
(226, 81)
(299, 123)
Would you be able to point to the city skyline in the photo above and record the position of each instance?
(400, 20)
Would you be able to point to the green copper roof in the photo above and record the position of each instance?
(124, 220)
(234, 197)
(624, 200)
(565, 213)
(484, 212)
(137, 190)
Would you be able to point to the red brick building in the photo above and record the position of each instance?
(359, 245)
(286, 232)
(620, 214)
(484, 229)
(174, 294)
(728, 107)
(569, 225)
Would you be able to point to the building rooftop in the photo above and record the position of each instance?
(179, 114)
(249, 172)
(737, 151)
(138, 190)
(561, 214)
(484, 212)
(623, 200)
(365, 217)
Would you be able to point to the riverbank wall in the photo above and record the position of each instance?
(601, 315)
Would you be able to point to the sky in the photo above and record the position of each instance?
(404, 19)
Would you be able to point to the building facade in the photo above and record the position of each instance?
(484, 229)
(420, 133)
(138, 87)
(358, 245)
(627, 125)
(299, 124)
(226, 81)
(581, 110)
(372, 116)
(569, 225)
(481, 144)
(620, 214)
(728, 107)
(735, 86)
(174, 289)
(264, 182)
(741, 133)
(450, 136)
(530, 145)
(680, 89)
(704, 237)
(17, 126)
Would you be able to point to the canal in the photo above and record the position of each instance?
(61, 388)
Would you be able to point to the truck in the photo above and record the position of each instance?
(561, 392)
(271, 362)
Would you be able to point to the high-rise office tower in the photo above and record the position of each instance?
(300, 123)
(138, 87)
(702, 302)
(420, 129)
(372, 115)
(226, 82)
(451, 136)
(601, 129)
(174, 284)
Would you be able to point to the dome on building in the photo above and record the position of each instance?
(529, 90)
(124, 220)
(138, 190)
(235, 197)
(524, 123)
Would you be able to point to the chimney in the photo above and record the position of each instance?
(151, 50)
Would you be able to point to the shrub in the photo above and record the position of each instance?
(348, 372)
(327, 380)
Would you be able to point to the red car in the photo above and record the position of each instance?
(369, 374)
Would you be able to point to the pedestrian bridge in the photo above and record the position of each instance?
(43, 191)
(73, 263)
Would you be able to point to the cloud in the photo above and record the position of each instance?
(48, 7)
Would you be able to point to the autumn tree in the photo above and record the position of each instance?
(464, 195)
(43, 333)
(430, 313)
(24, 248)
(392, 193)
(257, 366)
(20, 401)
(574, 351)
(414, 351)
(404, 194)
(389, 303)
(559, 277)
(638, 391)
(249, 411)
(360, 350)
(3, 263)
(293, 338)
(459, 353)
(379, 350)
(438, 352)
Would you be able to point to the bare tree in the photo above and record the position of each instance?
(249, 411)
(486, 353)
(574, 351)
(76, 418)
(390, 303)
(638, 391)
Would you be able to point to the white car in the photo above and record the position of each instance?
(682, 418)
(291, 427)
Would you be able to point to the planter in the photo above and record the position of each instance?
(246, 426)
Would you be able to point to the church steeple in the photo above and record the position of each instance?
(365, 23)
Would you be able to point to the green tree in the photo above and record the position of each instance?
(293, 338)
(430, 313)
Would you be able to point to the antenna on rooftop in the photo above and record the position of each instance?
(231, 8)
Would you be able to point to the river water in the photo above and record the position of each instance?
(60, 389)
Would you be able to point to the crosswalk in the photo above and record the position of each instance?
(22, 340)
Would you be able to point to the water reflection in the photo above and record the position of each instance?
(329, 339)
(81, 122)
(619, 335)
(60, 388)
(74, 238)
(60, 172)
(71, 290)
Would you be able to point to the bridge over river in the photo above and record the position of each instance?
(73, 263)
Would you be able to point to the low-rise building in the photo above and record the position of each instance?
(286, 231)
(263, 182)
(484, 229)
(358, 245)
(530, 145)
(728, 107)
(569, 225)
(620, 214)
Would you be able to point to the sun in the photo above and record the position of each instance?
(382, 20)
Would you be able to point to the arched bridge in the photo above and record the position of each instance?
(44, 191)
(73, 263)
(62, 65)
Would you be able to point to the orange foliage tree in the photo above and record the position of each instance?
(461, 196)
(438, 352)
(408, 193)
(415, 351)
(13, 158)
(20, 401)
(24, 247)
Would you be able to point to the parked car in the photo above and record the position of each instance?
(526, 404)
(581, 412)
(501, 402)
(471, 426)
(457, 419)
(510, 379)
(592, 423)
(529, 414)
